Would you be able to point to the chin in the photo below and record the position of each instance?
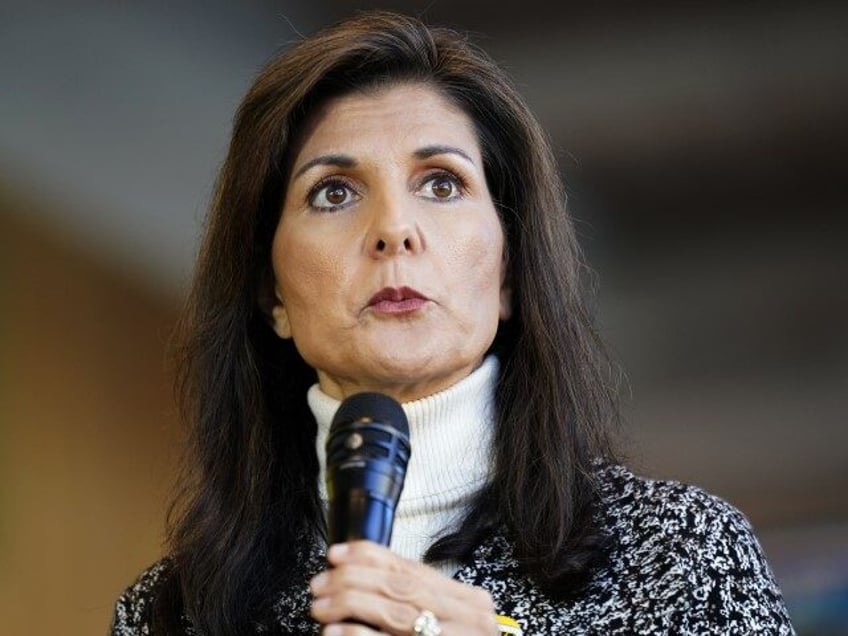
(422, 375)
(407, 367)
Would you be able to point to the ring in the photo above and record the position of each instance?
(426, 624)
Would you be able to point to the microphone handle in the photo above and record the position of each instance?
(360, 515)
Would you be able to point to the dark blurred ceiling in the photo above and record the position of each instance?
(670, 120)
(669, 114)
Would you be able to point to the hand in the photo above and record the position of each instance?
(370, 584)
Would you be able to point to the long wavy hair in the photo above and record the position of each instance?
(247, 502)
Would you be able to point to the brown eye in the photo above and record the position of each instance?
(443, 188)
(336, 196)
(332, 195)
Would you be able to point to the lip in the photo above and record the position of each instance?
(397, 300)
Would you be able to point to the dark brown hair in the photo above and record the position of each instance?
(248, 503)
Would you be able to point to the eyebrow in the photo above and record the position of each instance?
(430, 151)
(341, 161)
(346, 161)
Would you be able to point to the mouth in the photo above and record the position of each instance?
(397, 300)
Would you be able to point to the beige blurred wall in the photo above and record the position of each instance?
(88, 435)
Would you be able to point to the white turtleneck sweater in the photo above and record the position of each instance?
(451, 441)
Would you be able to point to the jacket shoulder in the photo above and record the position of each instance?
(133, 609)
(697, 551)
(673, 508)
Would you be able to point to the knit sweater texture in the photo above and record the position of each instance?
(680, 561)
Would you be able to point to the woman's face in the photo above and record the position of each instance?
(388, 257)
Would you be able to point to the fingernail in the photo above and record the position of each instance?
(332, 630)
(319, 581)
(320, 603)
(337, 550)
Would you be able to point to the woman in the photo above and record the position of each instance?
(389, 218)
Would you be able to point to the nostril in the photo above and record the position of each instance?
(381, 245)
(407, 244)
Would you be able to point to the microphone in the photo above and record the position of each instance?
(367, 454)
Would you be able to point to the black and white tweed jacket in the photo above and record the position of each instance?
(682, 562)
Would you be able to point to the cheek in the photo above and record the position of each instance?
(483, 260)
(307, 272)
(475, 271)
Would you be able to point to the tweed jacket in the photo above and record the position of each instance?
(681, 562)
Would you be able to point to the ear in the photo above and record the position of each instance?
(505, 312)
(280, 319)
(506, 302)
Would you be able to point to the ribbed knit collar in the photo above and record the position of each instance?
(451, 440)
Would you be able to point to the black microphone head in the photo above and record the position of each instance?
(375, 406)
(367, 454)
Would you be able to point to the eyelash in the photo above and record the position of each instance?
(336, 182)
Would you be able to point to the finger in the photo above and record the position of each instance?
(393, 599)
(375, 610)
(364, 553)
(381, 615)
(416, 575)
(350, 629)
(443, 596)
(395, 585)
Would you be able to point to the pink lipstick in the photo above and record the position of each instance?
(397, 300)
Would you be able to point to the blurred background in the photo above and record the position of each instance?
(703, 146)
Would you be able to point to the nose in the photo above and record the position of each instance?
(393, 232)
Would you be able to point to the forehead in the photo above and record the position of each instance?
(402, 116)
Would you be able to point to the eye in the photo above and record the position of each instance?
(331, 194)
(443, 186)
